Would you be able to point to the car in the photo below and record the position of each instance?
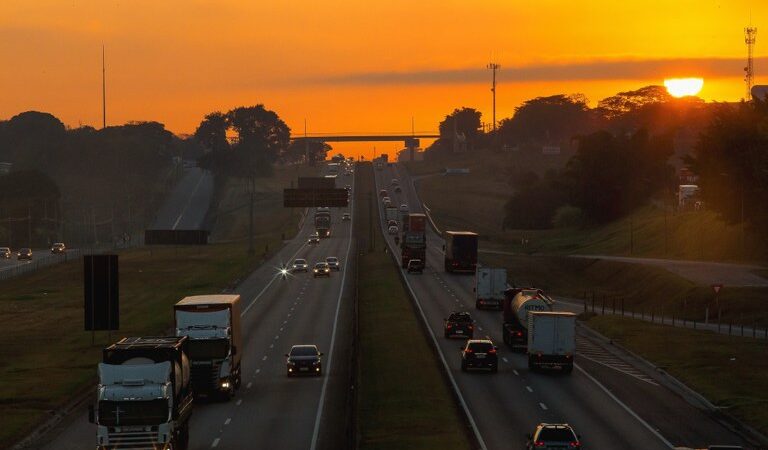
(398, 189)
(391, 223)
(348, 187)
(394, 182)
(383, 193)
(346, 216)
(24, 253)
(392, 230)
(321, 269)
(553, 435)
(300, 265)
(459, 323)
(333, 263)
(386, 200)
(5, 252)
(404, 207)
(479, 354)
(314, 238)
(58, 248)
(304, 359)
(415, 266)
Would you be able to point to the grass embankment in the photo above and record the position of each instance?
(231, 208)
(476, 201)
(403, 400)
(642, 288)
(729, 372)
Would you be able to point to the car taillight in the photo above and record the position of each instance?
(448, 326)
(469, 350)
(575, 444)
(455, 264)
(519, 334)
(539, 444)
(492, 351)
(471, 327)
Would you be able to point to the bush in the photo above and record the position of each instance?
(568, 217)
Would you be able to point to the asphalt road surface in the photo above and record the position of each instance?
(186, 207)
(272, 411)
(608, 401)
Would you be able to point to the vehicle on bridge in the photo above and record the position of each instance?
(460, 251)
(321, 269)
(5, 252)
(416, 266)
(518, 303)
(143, 396)
(215, 349)
(58, 248)
(300, 265)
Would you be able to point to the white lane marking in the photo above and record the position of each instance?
(275, 277)
(264, 358)
(455, 386)
(289, 314)
(284, 322)
(319, 416)
(271, 345)
(625, 407)
(239, 402)
(480, 328)
(543, 406)
(249, 385)
(504, 358)
(189, 200)
(228, 421)
(257, 371)
(281, 328)
(515, 372)
(215, 443)
(529, 389)
(277, 337)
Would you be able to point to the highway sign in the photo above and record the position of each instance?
(101, 289)
(316, 183)
(716, 288)
(175, 237)
(312, 198)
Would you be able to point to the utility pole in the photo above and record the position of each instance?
(750, 36)
(103, 90)
(494, 67)
(251, 249)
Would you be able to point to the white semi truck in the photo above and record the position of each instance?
(551, 340)
(143, 399)
(212, 324)
(490, 285)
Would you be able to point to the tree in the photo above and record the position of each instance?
(731, 160)
(463, 121)
(548, 119)
(624, 102)
(612, 175)
(212, 132)
(313, 150)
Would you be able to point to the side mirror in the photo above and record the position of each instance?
(91, 414)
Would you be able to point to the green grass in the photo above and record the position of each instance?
(645, 288)
(729, 372)
(403, 399)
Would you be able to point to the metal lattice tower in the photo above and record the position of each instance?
(494, 67)
(750, 35)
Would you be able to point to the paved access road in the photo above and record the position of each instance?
(186, 206)
(611, 404)
(272, 411)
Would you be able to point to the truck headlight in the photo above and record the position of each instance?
(225, 384)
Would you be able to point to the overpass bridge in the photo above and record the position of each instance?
(361, 137)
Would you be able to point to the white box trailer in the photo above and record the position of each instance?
(551, 340)
(490, 284)
(391, 213)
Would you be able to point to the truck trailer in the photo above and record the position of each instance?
(460, 251)
(518, 303)
(413, 243)
(212, 324)
(143, 397)
(490, 285)
(551, 340)
(323, 223)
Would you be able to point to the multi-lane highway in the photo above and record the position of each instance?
(608, 401)
(271, 410)
(186, 206)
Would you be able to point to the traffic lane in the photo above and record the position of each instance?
(190, 197)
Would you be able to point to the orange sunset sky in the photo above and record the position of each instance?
(357, 66)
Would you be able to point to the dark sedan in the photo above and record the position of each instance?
(304, 360)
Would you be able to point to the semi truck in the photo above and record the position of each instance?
(551, 340)
(212, 324)
(323, 222)
(143, 397)
(518, 303)
(413, 243)
(490, 285)
(460, 251)
(391, 213)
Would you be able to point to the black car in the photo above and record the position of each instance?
(553, 435)
(415, 266)
(458, 324)
(479, 354)
(24, 253)
(304, 360)
(321, 269)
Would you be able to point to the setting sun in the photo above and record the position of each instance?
(683, 87)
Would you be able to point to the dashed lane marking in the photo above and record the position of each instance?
(264, 358)
(249, 385)
(543, 406)
(239, 402)
(227, 422)
(215, 443)
(515, 372)
(529, 389)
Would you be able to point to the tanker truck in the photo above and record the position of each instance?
(518, 302)
(143, 397)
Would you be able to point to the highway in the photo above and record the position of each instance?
(186, 206)
(271, 410)
(608, 401)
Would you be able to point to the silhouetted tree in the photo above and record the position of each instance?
(212, 132)
(548, 119)
(624, 102)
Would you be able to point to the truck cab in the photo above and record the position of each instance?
(212, 324)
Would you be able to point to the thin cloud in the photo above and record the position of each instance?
(592, 70)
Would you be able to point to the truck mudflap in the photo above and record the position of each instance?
(481, 303)
(550, 362)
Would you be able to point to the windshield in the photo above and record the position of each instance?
(481, 347)
(204, 349)
(303, 351)
(131, 413)
(556, 435)
(299, 262)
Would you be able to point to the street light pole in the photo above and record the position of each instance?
(251, 249)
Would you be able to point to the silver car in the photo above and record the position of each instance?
(5, 252)
(333, 263)
(300, 265)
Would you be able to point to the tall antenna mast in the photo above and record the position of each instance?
(103, 90)
(494, 67)
(750, 35)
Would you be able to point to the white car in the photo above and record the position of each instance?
(395, 182)
(392, 230)
(404, 207)
(300, 265)
(333, 263)
(346, 216)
